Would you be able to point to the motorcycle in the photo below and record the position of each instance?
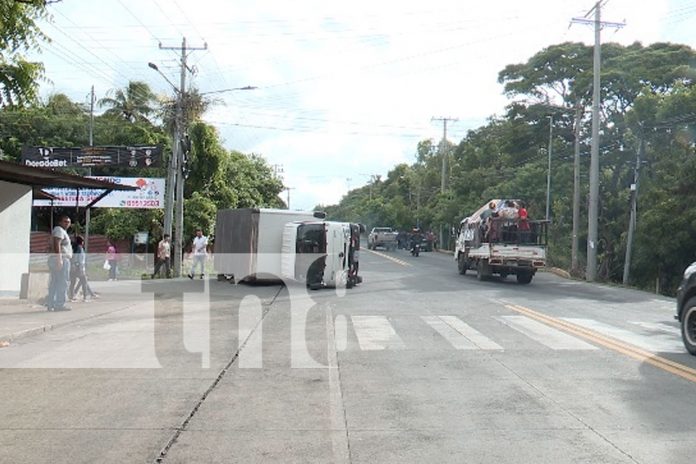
(415, 249)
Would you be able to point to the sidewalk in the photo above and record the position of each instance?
(22, 318)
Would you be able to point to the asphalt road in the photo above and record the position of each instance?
(417, 364)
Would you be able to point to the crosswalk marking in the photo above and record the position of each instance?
(375, 333)
(459, 334)
(656, 343)
(542, 333)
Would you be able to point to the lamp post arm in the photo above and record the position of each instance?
(246, 87)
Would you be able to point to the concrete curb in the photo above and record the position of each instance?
(48, 327)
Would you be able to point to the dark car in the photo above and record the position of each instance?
(686, 308)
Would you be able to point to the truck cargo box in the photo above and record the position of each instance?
(248, 241)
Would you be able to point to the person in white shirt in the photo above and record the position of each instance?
(164, 250)
(59, 266)
(200, 253)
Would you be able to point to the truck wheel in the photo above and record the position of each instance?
(524, 277)
(688, 325)
(461, 263)
(482, 270)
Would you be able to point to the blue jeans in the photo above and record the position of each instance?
(198, 260)
(58, 282)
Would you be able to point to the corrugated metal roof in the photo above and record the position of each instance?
(42, 177)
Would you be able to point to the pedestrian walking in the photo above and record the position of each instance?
(200, 253)
(164, 253)
(59, 266)
(111, 259)
(78, 274)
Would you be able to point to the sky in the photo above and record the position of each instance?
(344, 90)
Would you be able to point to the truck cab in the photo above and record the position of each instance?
(321, 253)
(382, 237)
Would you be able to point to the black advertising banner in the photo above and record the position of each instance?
(61, 157)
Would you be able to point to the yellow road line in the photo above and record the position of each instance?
(390, 258)
(632, 351)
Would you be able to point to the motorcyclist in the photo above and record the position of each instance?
(416, 238)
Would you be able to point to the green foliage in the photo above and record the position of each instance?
(218, 178)
(122, 224)
(194, 105)
(255, 184)
(199, 211)
(647, 94)
(135, 103)
(58, 122)
(19, 33)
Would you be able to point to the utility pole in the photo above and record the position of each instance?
(278, 170)
(548, 172)
(444, 152)
(373, 178)
(634, 208)
(178, 156)
(593, 214)
(579, 110)
(89, 170)
(288, 190)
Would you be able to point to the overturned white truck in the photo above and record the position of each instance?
(496, 239)
(256, 244)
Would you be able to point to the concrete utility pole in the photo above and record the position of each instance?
(178, 156)
(444, 152)
(634, 208)
(548, 172)
(288, 190)
(92, 99)
(579, 110)
(593, 213)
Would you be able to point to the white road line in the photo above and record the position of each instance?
(542, 333)
(461, 335)
(339, 437)
(655, 343)
(375, 333)
(456, 339)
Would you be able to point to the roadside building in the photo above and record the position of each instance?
(19, 185)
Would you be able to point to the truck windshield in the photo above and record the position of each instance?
(311, 239)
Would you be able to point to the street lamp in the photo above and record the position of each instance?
(246, 87)
(154, 66)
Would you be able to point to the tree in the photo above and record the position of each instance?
(194, 105)
(58, 122)
(19, 33)
(134, 103)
